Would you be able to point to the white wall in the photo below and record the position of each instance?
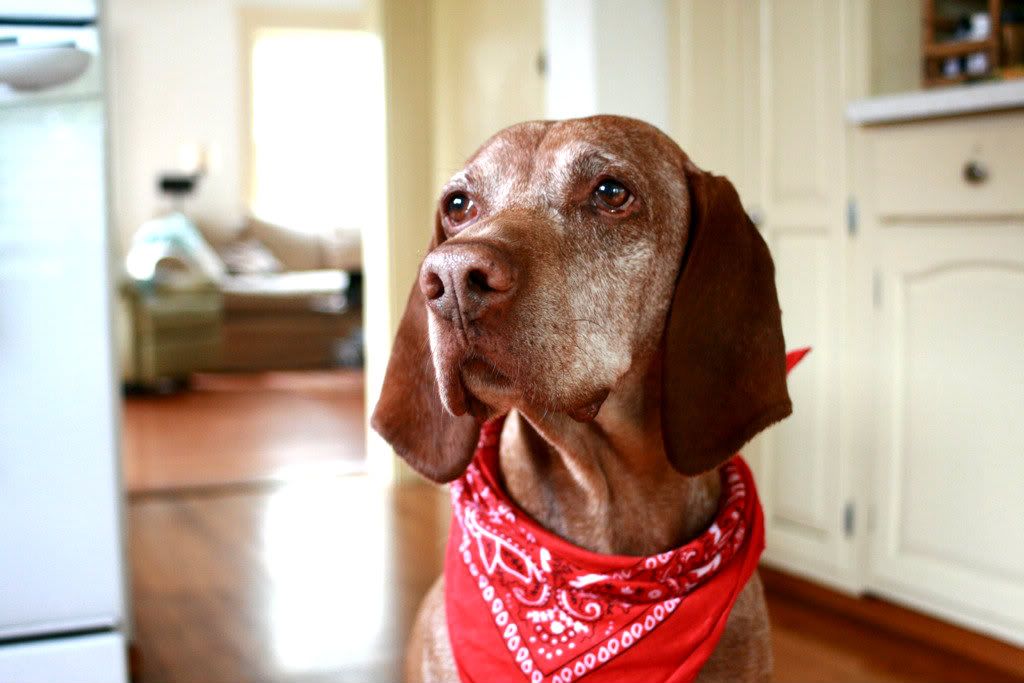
(175, 80)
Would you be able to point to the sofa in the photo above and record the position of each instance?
(297, 307)
(267, 298)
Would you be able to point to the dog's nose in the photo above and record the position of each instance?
(470, 280)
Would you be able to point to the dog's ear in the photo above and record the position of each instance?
(409, 413)
(724, 371)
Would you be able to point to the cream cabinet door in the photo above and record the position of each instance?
(949, 465)
(487, 74)
(757, 101)
(716, 95)
(804, 473)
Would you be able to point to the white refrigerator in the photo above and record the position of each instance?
(61, 564)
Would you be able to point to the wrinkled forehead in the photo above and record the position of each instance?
(543, 156)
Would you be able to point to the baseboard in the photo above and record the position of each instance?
(900, 621)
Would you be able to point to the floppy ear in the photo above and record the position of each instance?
(724, 371)
(409, 413)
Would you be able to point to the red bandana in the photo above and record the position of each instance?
(525, 605)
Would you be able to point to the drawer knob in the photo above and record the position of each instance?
(975, 172)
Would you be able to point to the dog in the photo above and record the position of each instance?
(614, 303)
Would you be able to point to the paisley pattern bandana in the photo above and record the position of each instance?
(524, 605)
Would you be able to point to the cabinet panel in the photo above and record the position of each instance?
(806, 480)
(800, 61)
(803, 477)
(950, 387)
(719, 124)
(486, 74)
(799, 446)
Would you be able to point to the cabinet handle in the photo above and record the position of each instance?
(975, 172)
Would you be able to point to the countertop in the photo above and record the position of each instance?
(926, 104)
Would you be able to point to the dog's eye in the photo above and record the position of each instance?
(611, 195)
(459, 208)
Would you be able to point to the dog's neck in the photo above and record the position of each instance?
(607, 485)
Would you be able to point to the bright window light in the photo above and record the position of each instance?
(317, 128)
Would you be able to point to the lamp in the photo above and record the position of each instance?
(37, 67)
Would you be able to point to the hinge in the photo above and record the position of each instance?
(876, 289)
(852, 217)
(848, 518)
(756, 216)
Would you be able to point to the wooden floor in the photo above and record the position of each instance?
(317, 580)
(241, 428)
(252, 559)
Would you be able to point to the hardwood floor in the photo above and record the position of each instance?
(240, 428)
(318, 580)
(243, 572)
(314, 580)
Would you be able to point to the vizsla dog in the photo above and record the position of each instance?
(614, 302)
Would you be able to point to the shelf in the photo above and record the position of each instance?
(959, 47)
(935, 50)
(939, 81)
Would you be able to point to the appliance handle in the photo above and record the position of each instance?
(47, 22)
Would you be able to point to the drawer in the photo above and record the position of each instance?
(969, 166)
(96, 658)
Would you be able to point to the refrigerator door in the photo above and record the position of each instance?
(83, 659)
(60, 559)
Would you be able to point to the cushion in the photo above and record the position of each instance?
(318, 290)
(295, 250)
(343, 249)
(249, 256)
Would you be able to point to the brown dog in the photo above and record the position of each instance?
(587, 279)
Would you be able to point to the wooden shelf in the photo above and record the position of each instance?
(958, 47)
(944, 24)
(939, 81)
(935, 51)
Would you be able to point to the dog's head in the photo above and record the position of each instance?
(565, 254)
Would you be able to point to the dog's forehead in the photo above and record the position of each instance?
(532, 156)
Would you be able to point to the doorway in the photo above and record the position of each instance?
(242, 330)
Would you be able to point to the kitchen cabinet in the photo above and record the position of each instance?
(944, 253)
(762, 91)
(899, 252)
